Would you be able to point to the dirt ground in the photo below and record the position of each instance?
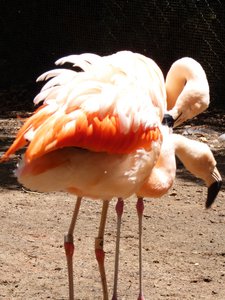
(183, 247)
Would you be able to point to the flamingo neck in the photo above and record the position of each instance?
(163, 173)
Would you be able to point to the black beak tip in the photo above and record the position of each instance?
(168, 120)
(213, 191)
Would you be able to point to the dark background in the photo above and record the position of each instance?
(34, 33)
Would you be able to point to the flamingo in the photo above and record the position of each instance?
(101, 128)
(187, 91)
(187, 96)
(196, 157)
(97, 134)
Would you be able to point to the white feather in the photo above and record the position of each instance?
(124, 84)
(61, 79)
(50, 74)
(29, 135)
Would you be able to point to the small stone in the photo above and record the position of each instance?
(222, 137)
(173, 193)
(207, 279)
(155, 261)
(203, 139)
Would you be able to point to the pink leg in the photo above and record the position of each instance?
(99, 251)
(119, 211)
(140, 209)
(69, 248)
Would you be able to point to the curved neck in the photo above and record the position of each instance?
(187, 90)
(182, 71)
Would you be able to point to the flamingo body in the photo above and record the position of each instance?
(100, 127)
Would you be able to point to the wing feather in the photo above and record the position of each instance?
(114, 105)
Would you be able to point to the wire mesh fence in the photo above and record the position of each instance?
(33, 34)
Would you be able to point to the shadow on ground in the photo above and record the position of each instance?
(7, 176)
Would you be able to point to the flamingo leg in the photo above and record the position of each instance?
(99, 252)
(140, 209)
(119, 211)
(69, 247)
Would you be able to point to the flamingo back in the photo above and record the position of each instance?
(114, 104)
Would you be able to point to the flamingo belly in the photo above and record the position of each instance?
(83, 172)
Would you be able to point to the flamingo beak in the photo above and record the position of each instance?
(213, 191)
(168, 120)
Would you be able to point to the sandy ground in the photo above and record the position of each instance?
(183, 247)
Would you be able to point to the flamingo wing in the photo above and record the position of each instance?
(114, 105)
